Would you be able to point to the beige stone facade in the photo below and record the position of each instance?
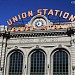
(29, 41)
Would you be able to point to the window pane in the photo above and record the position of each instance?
(60, 63)
(37, 63)
(15, 64)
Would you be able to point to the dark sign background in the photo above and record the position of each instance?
(10, 8)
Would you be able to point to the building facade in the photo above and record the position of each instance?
(39, 52)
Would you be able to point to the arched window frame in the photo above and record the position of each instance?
(69, 60)
(29, 60)
(8, 60)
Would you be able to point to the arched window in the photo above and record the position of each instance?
(15, 63)
(37, 63)
(60, 62)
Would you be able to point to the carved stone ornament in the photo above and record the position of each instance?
(59, 46)
(37, 46)
(16, 47)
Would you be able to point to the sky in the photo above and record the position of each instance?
(10, 8)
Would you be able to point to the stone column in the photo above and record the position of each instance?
(3, 56)
(48, 65)
(1, 44)
(73, 54)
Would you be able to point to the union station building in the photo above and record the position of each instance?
(42, 51)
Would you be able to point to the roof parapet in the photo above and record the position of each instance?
(3, 28)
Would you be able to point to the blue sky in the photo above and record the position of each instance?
(10, 8)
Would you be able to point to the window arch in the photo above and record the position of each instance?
(15, 63)
(60, 62)
(37, 63)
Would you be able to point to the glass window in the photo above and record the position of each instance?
(60, 63)
(37, 63)
(15, 63)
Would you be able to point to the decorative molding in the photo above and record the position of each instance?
(39, 40)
